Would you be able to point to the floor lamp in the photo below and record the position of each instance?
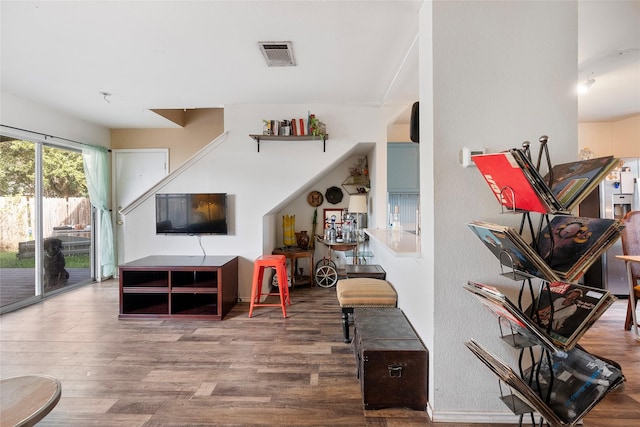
(357, 206)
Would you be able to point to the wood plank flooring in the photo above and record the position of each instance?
(239, 372)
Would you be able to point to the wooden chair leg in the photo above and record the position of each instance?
(629, 319)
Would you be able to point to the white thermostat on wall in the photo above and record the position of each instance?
(467, 153)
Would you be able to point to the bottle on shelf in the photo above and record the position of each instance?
(396, 225)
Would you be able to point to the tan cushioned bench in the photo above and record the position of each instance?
(363, 292)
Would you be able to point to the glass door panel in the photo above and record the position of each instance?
(17, 222)
(46, 238)
(66, 220)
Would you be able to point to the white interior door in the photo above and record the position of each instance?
(134, 172)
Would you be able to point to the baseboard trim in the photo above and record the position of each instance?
(474, 417)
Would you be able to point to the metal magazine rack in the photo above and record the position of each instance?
(525, 346)
(556, 382)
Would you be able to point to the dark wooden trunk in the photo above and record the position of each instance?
(392, 361)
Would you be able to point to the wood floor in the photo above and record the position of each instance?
(239, 372)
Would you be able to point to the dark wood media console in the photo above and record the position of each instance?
(166, 286)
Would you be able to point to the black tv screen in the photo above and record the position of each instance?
(191, 213)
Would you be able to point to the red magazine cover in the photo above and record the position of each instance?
(508, 182)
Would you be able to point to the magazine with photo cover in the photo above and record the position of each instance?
(512, 250)
(579, 381)
(497, 303)
(565, 310)
(560, 330)
(573, 181)
(518, 185)
(500, 306)
(566, 247)
(570, 244)
(510, 183)
(518, 386)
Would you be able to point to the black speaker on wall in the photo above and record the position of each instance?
(414, 130)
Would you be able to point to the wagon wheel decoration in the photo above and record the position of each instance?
(326, 276)
(326, 261)
(274, 279)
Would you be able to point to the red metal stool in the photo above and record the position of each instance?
(279, 262)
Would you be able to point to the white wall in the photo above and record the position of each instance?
(502, 73)
(259, 184)
(24, 114)
(510, 78)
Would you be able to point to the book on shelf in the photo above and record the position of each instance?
(517, 184)
(557, 330)
(564, 394)
(566, 247)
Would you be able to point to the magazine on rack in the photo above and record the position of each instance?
(518, 386)
(566, 247)
(575, 308)
(573, 181)
(565, 311)
(570, 244)
(578, 381)
(506, 244)
(517, 184)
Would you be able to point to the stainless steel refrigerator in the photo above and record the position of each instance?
(616, 195)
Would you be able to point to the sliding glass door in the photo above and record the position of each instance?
(46, 238)
(17, 222)
(66, 219)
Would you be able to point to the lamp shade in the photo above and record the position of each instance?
(358, 203)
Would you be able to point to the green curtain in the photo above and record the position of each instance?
(96, 170)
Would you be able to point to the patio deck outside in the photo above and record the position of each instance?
(17, 284)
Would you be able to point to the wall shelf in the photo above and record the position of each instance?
(324, 138)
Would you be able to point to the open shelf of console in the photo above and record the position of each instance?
(168, 286)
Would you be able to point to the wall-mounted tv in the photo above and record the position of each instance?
(191, 213)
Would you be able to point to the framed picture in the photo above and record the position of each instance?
(328, 213)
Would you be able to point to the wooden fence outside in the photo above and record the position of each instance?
(17, 216)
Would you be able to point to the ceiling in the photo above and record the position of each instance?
(204, 54)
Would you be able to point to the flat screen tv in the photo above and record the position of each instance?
(191, 213)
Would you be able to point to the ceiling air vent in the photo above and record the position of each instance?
(277, 54)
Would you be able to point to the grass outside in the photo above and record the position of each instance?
(10, 260)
